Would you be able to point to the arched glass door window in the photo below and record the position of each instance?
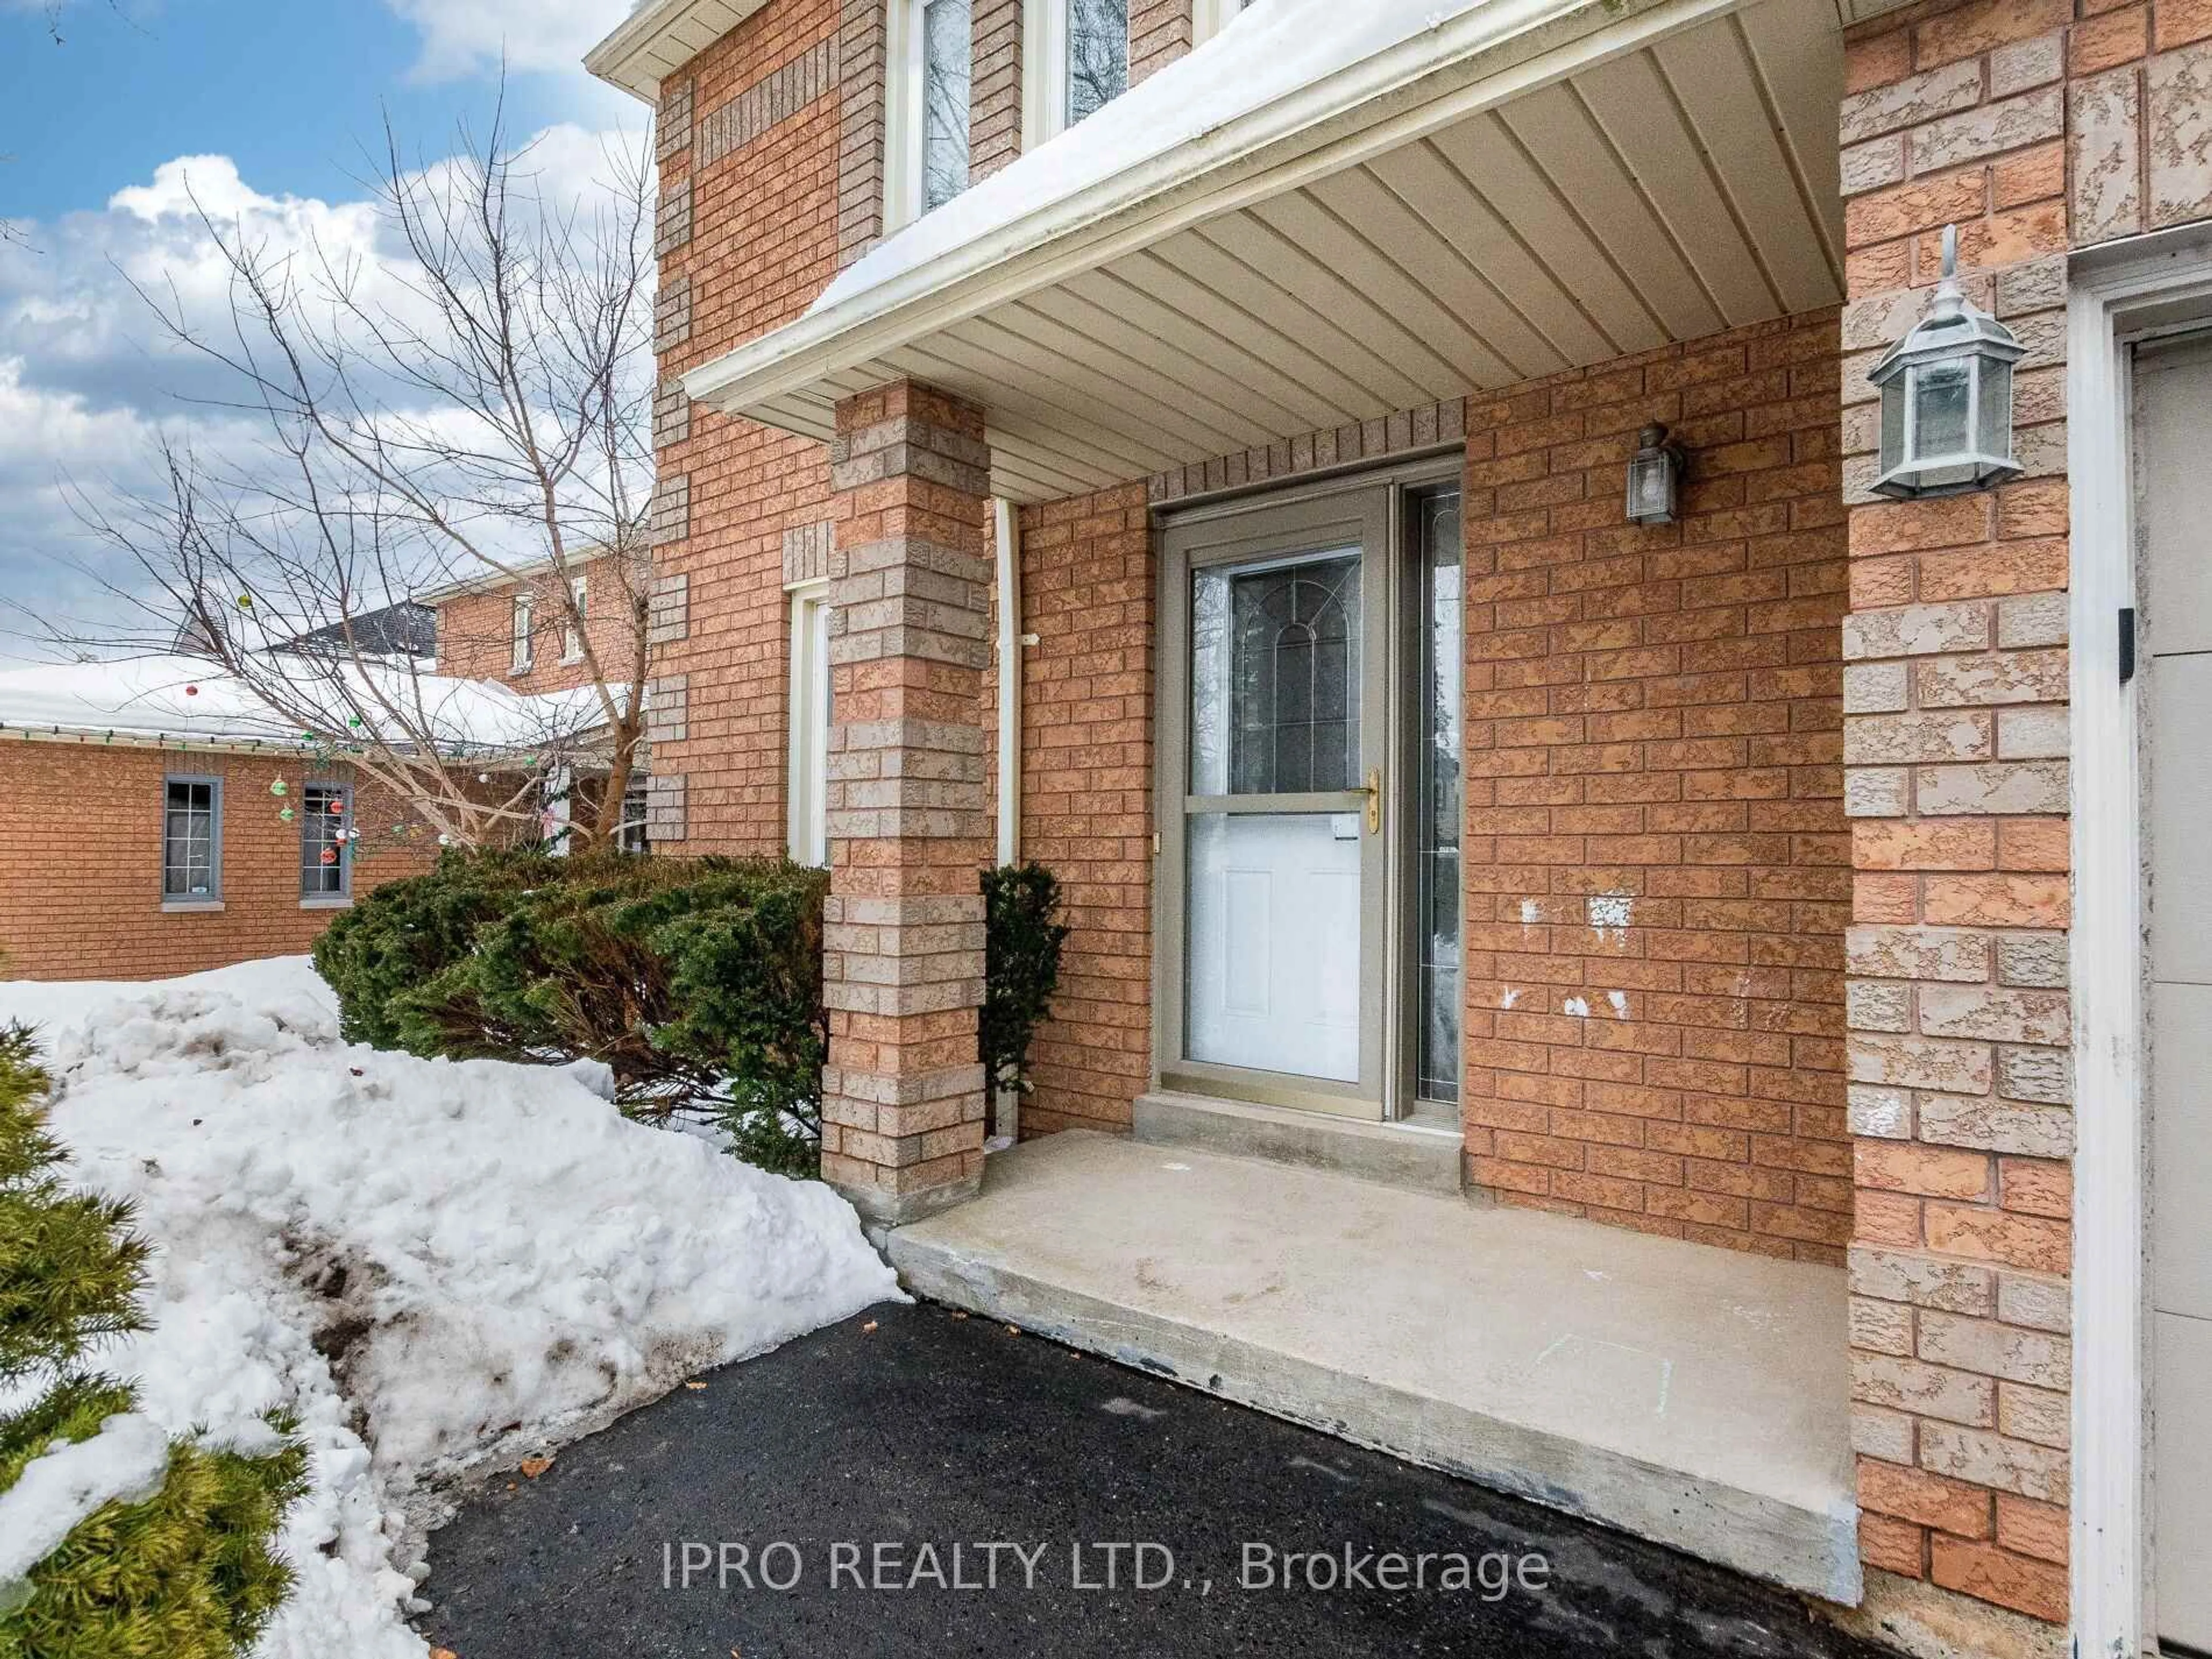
(1276, 677)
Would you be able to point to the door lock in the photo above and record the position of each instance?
(1374, 793)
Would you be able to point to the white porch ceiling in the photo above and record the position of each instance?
(1653, 181)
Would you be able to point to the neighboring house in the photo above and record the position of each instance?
(1707, 875)
(143, 831)
(517, 629)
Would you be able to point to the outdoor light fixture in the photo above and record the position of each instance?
(1655, 473)
(1946, 397)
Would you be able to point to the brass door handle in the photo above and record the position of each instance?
(1374, 793)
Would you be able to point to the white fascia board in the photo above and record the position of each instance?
(648, 42)
(1479, 59)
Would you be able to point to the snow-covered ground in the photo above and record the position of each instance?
(437, 1266)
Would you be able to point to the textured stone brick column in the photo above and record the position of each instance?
(902, 1095)
(1956, 746)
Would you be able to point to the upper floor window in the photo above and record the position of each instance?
(1075, 62)
(572, 630)
(1097, 55)
(1210, 17)
(932, 52)
(518, 663)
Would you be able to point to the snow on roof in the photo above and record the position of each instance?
(191, 699)
(1273, 48)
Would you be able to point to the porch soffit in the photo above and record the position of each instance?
(1581, 184)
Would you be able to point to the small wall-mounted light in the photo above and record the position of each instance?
(1655, 478)
(1946, 397)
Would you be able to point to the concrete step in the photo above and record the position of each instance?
(1691, 1396)
(1425, 1157)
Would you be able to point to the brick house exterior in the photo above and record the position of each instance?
(477, 628)
(1816, 744)
(81, 859)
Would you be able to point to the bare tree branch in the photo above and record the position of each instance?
(474, 409)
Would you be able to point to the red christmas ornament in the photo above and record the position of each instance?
(329, 855)
(338, 804)
(191, 690)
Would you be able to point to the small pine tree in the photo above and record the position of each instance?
(188, 1573)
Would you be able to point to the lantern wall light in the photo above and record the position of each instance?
(1655, 478)
(1946, 397)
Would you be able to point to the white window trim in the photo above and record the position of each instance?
(523, 630)
(1209, 17)
(903, 113)
(1044, 71)
(806, 792)
(572, 625)
(2114, 294)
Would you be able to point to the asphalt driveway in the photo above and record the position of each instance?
(916, 1482)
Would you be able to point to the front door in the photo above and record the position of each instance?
(1310, 800)
(2173, 385)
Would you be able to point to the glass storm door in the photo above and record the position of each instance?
(1287, 974)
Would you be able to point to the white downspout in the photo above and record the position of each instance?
(1006, 1117)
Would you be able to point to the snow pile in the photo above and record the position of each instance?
(436, 1266)
(127, 1459)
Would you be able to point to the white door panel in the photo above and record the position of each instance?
(2174, 415)
(2181, 1152)
(2173, 391)
(1274, 943)
(2179, 693)
(2181, 1384)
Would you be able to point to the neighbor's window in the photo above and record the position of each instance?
(932, 45)
(1075, 61)
(572, 635)
(808, 798)
(631, 834)
(192, 839)
(326, 841)
(523, 626)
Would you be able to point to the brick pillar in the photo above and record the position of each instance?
(909, 829)
(1956, 781)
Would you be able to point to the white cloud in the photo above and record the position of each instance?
(87, 380)
(462, 38)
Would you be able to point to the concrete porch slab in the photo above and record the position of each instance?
(1691, 1396)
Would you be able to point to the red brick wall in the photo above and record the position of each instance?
(475, 632)
(1657, 868)
(1087, 578)
(80, 862)
(1159, 33)
(763, 243)
(994, 98)
(2037, 127)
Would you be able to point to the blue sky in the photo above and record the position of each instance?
(288, 89)
(266, 109)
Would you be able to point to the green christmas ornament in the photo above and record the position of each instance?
(246, 602)
(278, 787)
(285, 815)
(354, 721)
